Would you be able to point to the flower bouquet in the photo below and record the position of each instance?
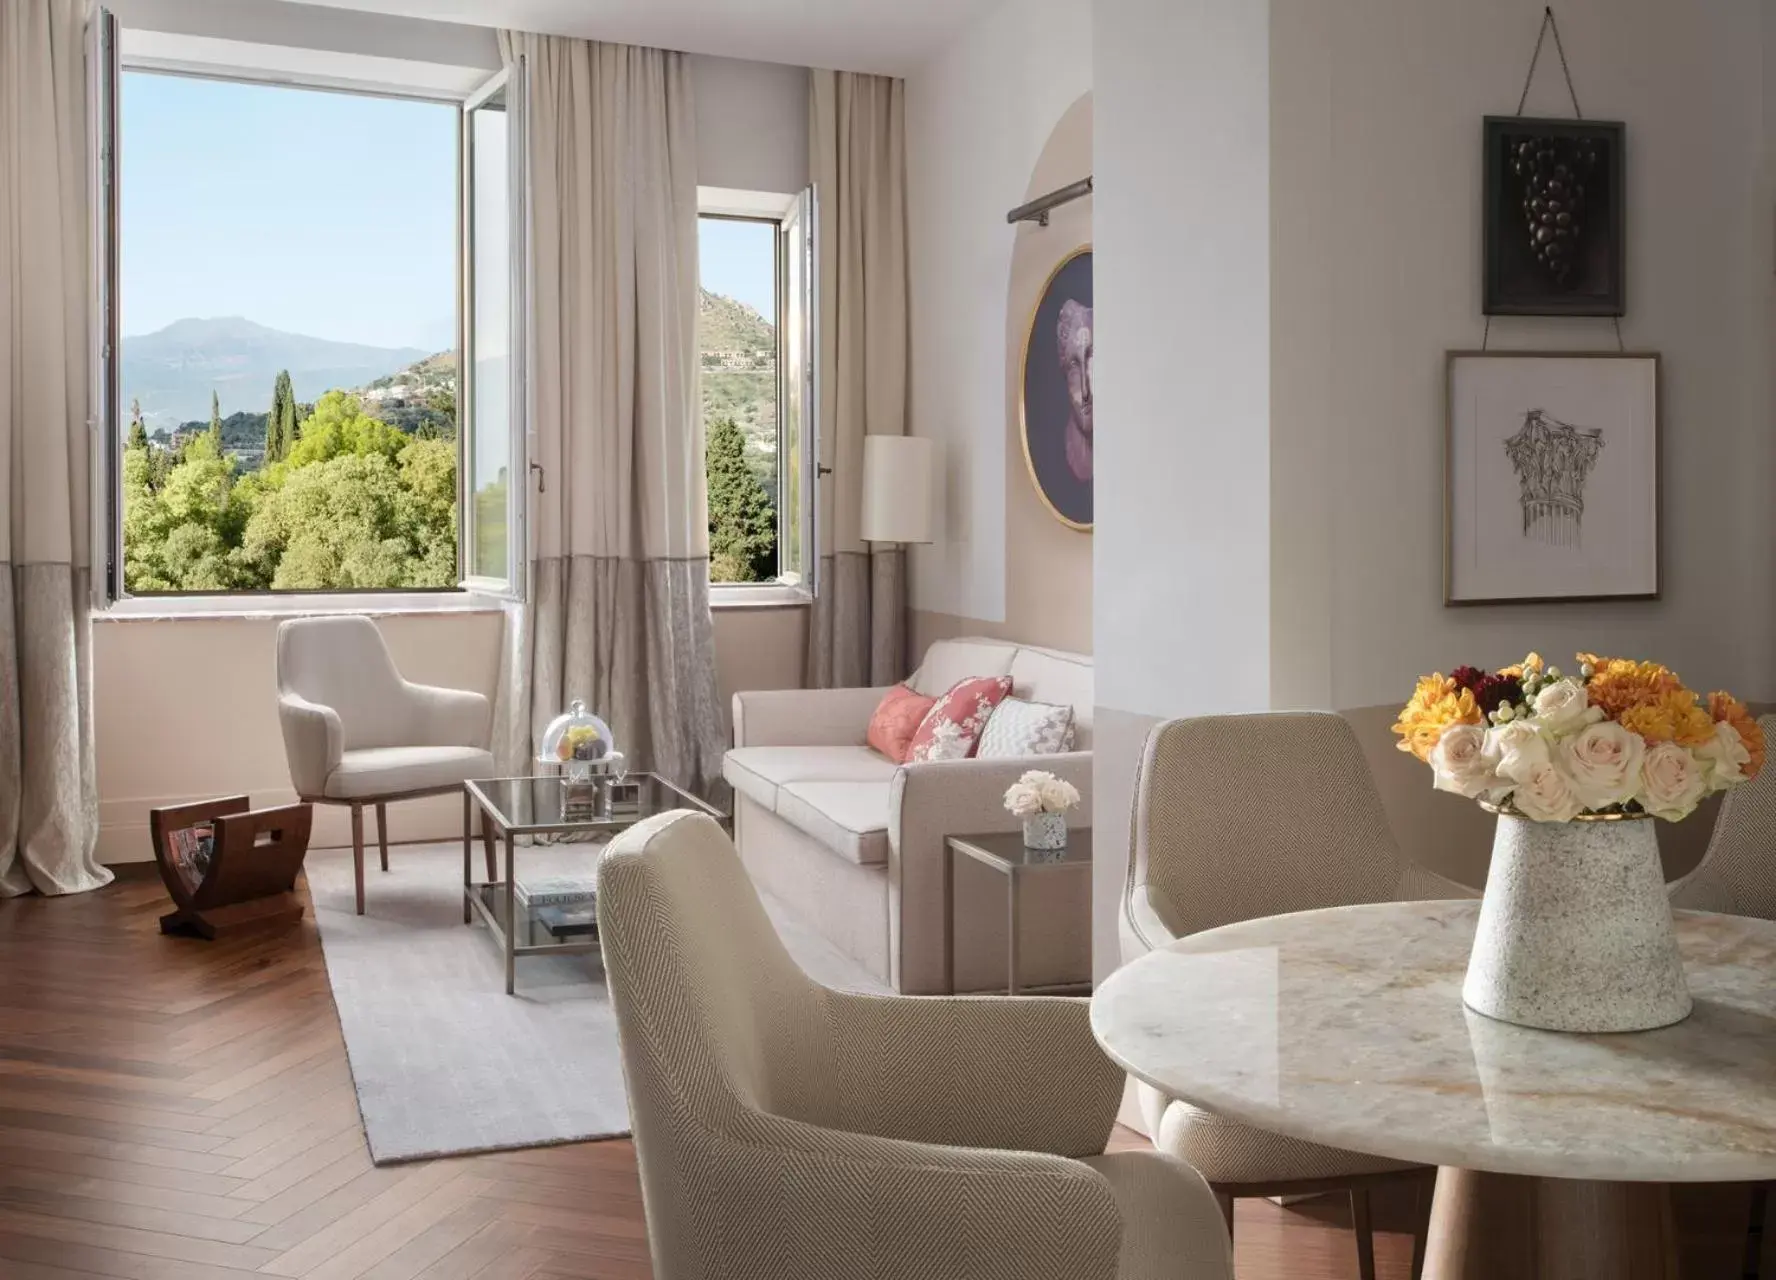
(1575, 930)
(1042, 801)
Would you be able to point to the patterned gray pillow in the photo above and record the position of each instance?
(1021, 728)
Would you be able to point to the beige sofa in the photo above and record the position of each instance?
(853, 843)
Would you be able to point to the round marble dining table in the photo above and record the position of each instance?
(1346, 1027)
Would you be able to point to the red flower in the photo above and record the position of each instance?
(1494, 691)
(1470, 678)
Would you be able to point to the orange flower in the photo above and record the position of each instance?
(1436, 704)
(1724, 706)
(1673, 716)
(1617, 684)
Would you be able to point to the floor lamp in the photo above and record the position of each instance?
(899, 485)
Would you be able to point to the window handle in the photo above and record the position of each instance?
(542, 477)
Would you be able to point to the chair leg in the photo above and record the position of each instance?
(358, 853)
(1423, 1190)
(382, 832)
(1364, 1230)
(487, 844)
(1226, 1203)
(1754, 1235)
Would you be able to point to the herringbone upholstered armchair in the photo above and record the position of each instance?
(786, 1131)
(1238, 817)
(1738, 873)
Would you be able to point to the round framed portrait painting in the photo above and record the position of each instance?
(1056, 416)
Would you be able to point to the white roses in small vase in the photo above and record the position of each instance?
(1042, 801)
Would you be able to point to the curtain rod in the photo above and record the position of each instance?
(1037, 210)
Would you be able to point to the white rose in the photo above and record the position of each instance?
(1725, 755)
(1459, 762)
(1563, 707)
(1058, 795)
(1545, 795)
(1673, 781)
(1602, 762)
(1023, 799)
(1515, 748)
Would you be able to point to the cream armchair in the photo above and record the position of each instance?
(786, 1131)
(1238, 817)
(356, 733)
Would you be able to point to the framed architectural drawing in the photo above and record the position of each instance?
(1551, 477)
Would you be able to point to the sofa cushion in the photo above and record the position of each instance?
(1020, 728)
(952, 728)
(1049, 675)
(850, 818)
(757, 772)
(898, 717)
(948, 661)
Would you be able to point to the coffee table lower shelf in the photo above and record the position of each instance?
(489, 902)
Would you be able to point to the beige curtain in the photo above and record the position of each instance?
(48, 787)
(619, 592)
(857, 146)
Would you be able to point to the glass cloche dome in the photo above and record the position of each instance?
(580, 743)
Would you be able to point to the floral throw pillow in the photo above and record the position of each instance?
(897, 718)
(952, 728)
(1020, 728)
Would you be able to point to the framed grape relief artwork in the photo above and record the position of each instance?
(1554, 217)
(1551, 477)
(1055, 392)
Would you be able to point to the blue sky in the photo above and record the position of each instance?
(326, 214)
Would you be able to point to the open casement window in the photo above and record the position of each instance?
(798, 438)
(104, 442)
(494, 404)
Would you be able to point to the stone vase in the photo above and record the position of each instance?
(1575, 929)
(1045, 831)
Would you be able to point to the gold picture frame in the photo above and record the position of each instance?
(1031, 467)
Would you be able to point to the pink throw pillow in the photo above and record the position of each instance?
(951, 730)
(898, 717)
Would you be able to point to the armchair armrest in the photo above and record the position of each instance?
(314, 740)
(812, 1203)
(804, 717)
(929, 801)
(449, 717)
(1021, 1073)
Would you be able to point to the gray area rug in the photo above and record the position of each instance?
(444, 1061)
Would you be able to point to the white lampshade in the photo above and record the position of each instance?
(899, 482)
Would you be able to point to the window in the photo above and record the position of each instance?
(754, 363)
(293, 277)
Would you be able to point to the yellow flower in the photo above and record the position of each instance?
(1724, 706)
(1436, 704)
(1532, 663)
(1674, 716)
(1617, 684)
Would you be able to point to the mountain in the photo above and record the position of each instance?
(173, 370)
(738, 349)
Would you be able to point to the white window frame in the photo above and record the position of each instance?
(112, 51)
(779, 210)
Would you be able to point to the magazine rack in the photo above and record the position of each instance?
(250, 877)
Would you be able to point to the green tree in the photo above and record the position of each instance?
(138, 433)
(216, 423)
(742, 518)
(280, 423)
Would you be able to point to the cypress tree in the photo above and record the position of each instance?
(742, 518)
(138, 433)
(216, 423)
(280, 423)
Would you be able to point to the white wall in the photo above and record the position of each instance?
(978, 115)
(1289, 241)
(1384, 229)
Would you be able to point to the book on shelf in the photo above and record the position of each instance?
(577, 921)
(557, 891)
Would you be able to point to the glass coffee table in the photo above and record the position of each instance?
(554, 916)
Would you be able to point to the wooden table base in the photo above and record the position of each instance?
(1485, 1226)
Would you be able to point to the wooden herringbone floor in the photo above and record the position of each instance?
(180, 1110)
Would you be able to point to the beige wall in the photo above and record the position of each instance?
(185, 708)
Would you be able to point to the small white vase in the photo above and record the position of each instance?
(1575, 930)
(1046, 831)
